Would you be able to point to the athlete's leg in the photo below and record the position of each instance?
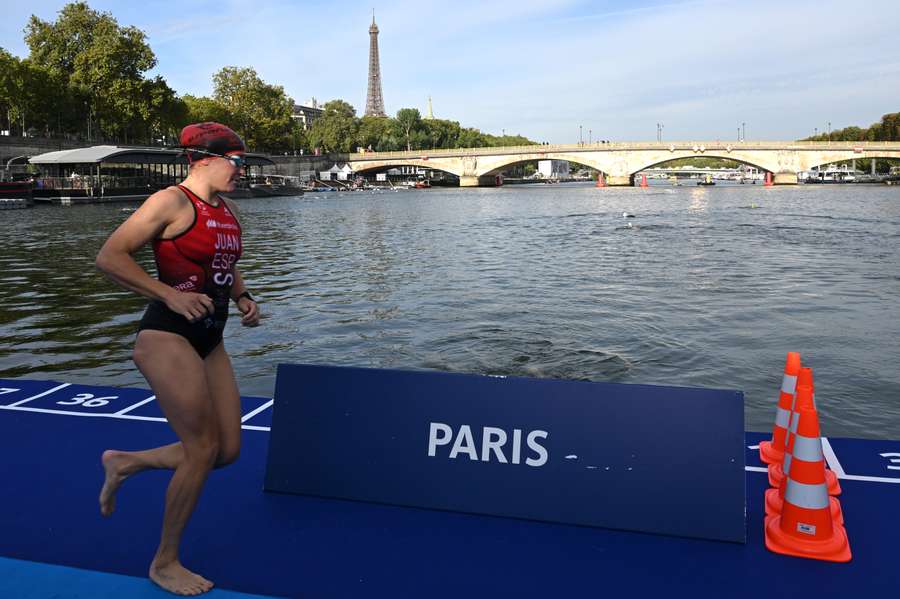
(226, 401)
(178, 378)
(119, 465)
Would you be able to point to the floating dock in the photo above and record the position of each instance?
(53, 541)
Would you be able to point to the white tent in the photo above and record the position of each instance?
(345, 173)
(330, 174)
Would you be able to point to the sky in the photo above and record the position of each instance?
(549, 70)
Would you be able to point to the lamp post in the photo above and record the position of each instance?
(743, 131)
(829, 129)
(815, 131)
(590, 136)
(580, 138)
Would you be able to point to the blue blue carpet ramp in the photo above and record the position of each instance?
(247, 541)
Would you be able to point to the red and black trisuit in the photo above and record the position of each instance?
(200, 260)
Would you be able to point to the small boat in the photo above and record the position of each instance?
(275, 185)
(707, 181)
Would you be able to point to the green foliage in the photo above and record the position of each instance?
(99, 67)
(702, 163)
(258, 111)
(202, 109)
(409, 131)
(888, 129)
(336, 130)
(375, 134)
(409, 124)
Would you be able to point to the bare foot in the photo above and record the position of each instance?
(114, 466)
(177, 579)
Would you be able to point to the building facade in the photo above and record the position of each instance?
(307, 113)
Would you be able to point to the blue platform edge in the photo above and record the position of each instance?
(33, 580)
(300, 546)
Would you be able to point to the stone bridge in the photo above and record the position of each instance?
(621, 160)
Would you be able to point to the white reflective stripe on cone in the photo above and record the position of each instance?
(808, 449)
(782, 417)
(810, 497)
(786, 467)
(789, 383)
(794, 422)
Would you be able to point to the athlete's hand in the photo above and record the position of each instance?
(192, 306)
(250, 311)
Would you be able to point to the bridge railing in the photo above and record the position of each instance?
(696, 146)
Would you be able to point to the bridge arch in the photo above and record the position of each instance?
(655, 161)
(517, 160)
(868, 156)
(436, 165)
(493, 165)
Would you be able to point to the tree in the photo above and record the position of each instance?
(470, 138)
(375, 132)
(27, 93)
(442, 133)
(260, 113)
(202, 109)
(336, 129)
(96, 59)
(408, 121)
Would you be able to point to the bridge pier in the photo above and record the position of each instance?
(786, 178)
(480, 181)
(619, 180)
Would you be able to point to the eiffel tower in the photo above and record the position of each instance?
(374, 100)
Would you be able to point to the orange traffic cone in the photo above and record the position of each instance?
(772, 452)
(768, 182)
(804, 450)
(805, 527)
(806, 399)
(643, 180)
(601, 181)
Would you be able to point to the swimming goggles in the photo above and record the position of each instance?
(237, 160)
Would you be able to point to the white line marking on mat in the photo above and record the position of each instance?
(27, 399)
(137, 405)
(265, 406)
(113, 416)
(831, 458)
(870, 479)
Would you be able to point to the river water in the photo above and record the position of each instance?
(707, 287)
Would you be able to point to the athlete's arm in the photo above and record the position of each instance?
(146, 223)
(247, 306)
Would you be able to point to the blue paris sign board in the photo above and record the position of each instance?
(667, 460)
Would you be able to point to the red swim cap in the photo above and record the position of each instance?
(210, 137)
